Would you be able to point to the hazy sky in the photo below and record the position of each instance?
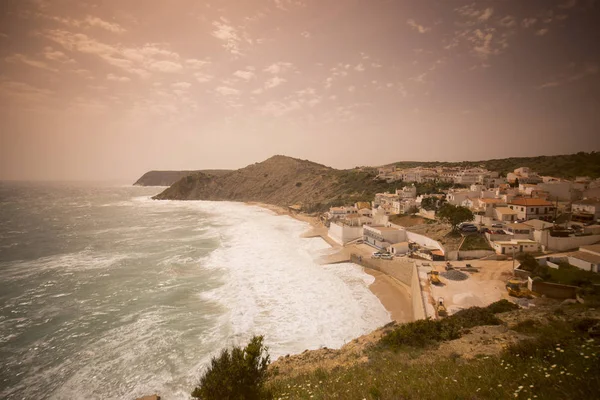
(111, 89)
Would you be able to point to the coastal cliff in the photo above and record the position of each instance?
(280, 180)
(167, 178)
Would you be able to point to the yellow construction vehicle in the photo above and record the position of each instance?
(434, 277)
(441, 308)
(515, 288)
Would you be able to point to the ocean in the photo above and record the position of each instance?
(107, 294)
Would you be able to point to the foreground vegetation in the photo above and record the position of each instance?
(558, 357)
(558, 360)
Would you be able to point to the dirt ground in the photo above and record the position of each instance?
(439, 232)
(479, 289)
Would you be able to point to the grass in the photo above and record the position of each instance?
(428, 332)
(570, 275)
(559, 361)
(475, 242)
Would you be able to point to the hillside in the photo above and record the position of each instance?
(562, 166)
(548, 351)
(282, 181)
(167, 178)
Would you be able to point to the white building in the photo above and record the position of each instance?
(587, 210)
(524, 175)
(587, 258)
(528, 208)
(505, 214)
(516, 245)
(382, 237)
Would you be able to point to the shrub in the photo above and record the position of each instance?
(422, 333)
(526, 326)
(236, 374)
(475, 316)
(501, 306)
(298, 184)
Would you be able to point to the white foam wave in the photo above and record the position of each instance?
(275, 288)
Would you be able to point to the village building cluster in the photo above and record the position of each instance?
(522, 212)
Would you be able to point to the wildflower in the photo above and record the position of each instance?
(520, 387)
(499, 385)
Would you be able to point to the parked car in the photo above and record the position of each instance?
(387, 257)
(497, 226)
(485, 230)
(469, 228)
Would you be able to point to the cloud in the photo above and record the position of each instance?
(57, 56)
(508, 21)
(279, 67)
(21, 58)
(229, 35)
(165, 66)
(285, 5)
(88, 22)
(181, 85)
(134, 60)
(528, 22)
(196, 64)
(23, 91)
(417, 27)
(359, 68)
(278, 108)
(568, 4)
(486, 14)
(471, 12)
(111, 27)
(245, 75)
(203, 77)
(352, 89)
(274, 82)
(542, 32)
(227, 91)
(115, 78)
(305, 34)
(584, 71)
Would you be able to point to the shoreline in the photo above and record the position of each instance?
(393, 294)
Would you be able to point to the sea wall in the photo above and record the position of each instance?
(416, 295)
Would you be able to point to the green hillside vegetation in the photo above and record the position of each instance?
(549, 353)
(563, 166)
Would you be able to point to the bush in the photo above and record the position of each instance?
(236, 374)
(426, 332)
(502, 306)
(421, 333)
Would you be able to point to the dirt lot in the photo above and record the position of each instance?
(479, 289)
(438, 231)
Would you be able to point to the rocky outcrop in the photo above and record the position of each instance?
(167, 178)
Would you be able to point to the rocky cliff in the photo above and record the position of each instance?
(167, 178)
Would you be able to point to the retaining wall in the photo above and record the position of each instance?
(416, 295)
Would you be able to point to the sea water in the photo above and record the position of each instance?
(107, 294)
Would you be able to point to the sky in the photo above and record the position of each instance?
(98, 90)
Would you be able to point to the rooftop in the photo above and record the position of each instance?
(538, 224)
(382, 228)
(506, 210)
(492, 201)
(591, 201)
(594, 248)
(529, 202)
(585, 256)
(518, 226)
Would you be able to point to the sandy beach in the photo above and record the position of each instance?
(393, 294)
